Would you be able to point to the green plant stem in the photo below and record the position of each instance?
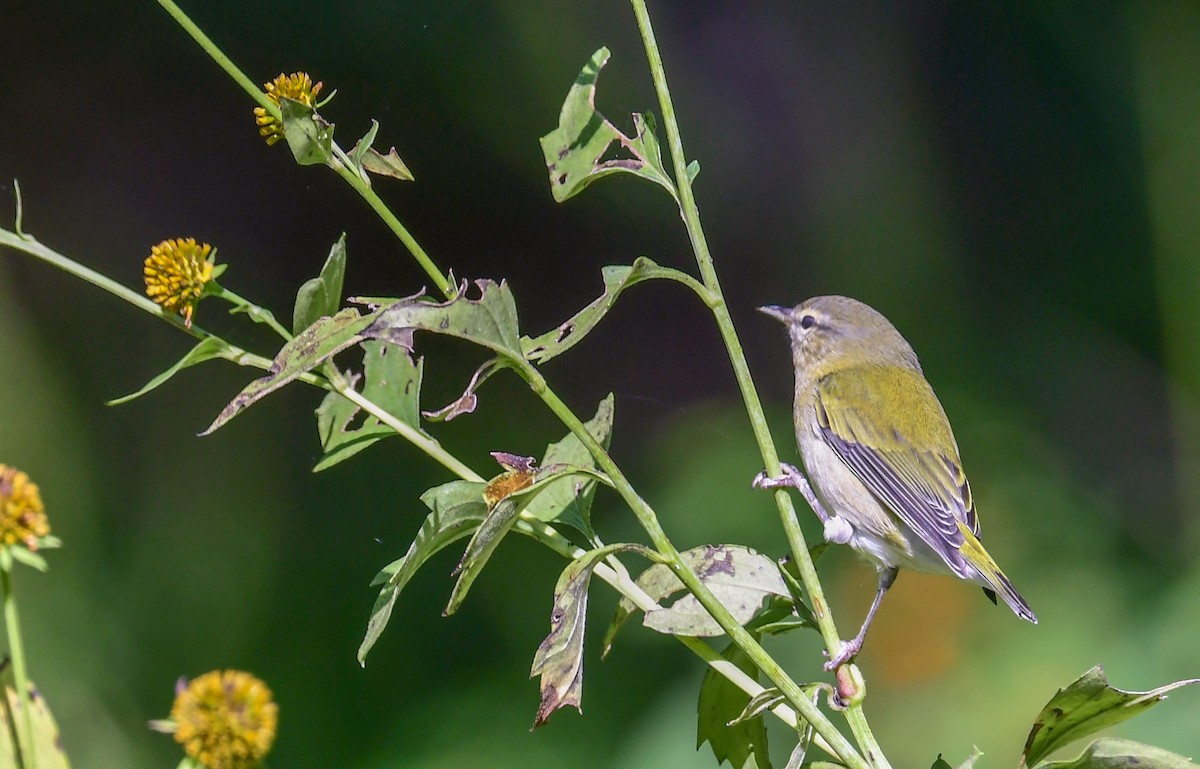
(256, 312)
(691, 217)
(361, 186)
(17, 649)
(649, 522)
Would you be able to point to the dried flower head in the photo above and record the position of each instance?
(22, 516)
(225, 719)
(176, 272)
(298, 86)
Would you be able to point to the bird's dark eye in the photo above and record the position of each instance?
(807, 321)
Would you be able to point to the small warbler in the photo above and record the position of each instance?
(881, 465)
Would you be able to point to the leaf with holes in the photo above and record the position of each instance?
(490, 320)
(1085, 707)
(392, 382)
(456, 509)
(317, 344)
(576, 151)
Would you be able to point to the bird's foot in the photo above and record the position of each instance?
(849, 651)
(838, 530)
(791, 477)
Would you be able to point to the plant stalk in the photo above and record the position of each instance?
(16, 648)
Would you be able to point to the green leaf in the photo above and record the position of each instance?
(497, 523)
(393, 382)
(569, 500)
(940, 763)
(322, 295)
(24, 555)
(617, 278)
(559, 658)
(575, 151)
(490, 320)
(742, 743)
(308, 135)
(362, 145)
(1114, 753)
(693, 170)
(47, 743)
(315, 345)
(759, 704)
(456, 509)
(208, 348)
(387, 165)
(1084, 708)
(737, 575)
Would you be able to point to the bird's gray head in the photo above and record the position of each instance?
(825, 329)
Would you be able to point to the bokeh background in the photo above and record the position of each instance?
(1014, 184)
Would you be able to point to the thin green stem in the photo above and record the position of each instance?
(691, 217)
(649, 522)
(16, 648)
(256, 312)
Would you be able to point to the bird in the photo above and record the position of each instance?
(881, 466)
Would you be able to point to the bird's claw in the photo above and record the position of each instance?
(791, 477)
(848, 652)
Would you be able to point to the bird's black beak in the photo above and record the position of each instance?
(781, 314)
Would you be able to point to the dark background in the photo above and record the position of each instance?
(1013, 184)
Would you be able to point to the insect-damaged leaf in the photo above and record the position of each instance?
(738, 576)
(575, 151)
(309, 136)
(317, 344)
(1085, 707)
(456, 508)
(393, 382)
(1114, 753)
(742, 743)
(490, 320)
(47, 743)
(321, 295)
(569, 499)
(465, 403)
(559, 658)
(617, 278)
(207, 349)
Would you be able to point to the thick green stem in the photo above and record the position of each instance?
(691, 217)
(649, 522)
(15, 647)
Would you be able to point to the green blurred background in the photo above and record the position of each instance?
(1014, 184)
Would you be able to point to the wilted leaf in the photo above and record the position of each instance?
(559, 658)
(969, 763)
(569, 500)
(46, 741)
(1113, 753)
(575, 151)
(317, 344)
(617, 278)
(743, 744)
(393, 382)
(456, 509)
(758, 704)
(490, 320)
(207, 349)
(309, 136)
(321, 295)
(1084, 708)
(465, 403)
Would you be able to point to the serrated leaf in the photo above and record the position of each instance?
(559, 658)
(617, 278)
(736, 574)
(490, 320)
(207, 349)
(1114, 753)
(456, 509)
(321, 295)
(743, 745)
(47, 743)
(569, 500)
(1086, 706)
(315, 345)
(575, 151)
(392, 382)
(309, 136)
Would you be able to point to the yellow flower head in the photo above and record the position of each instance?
(225, 719)
(298, 86)
(176, 272)
(22, 516)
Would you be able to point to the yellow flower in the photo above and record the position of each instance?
(298, 86)
(225, 719)
(176, 272)
(22, 516)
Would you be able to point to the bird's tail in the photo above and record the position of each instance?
(996, 583)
